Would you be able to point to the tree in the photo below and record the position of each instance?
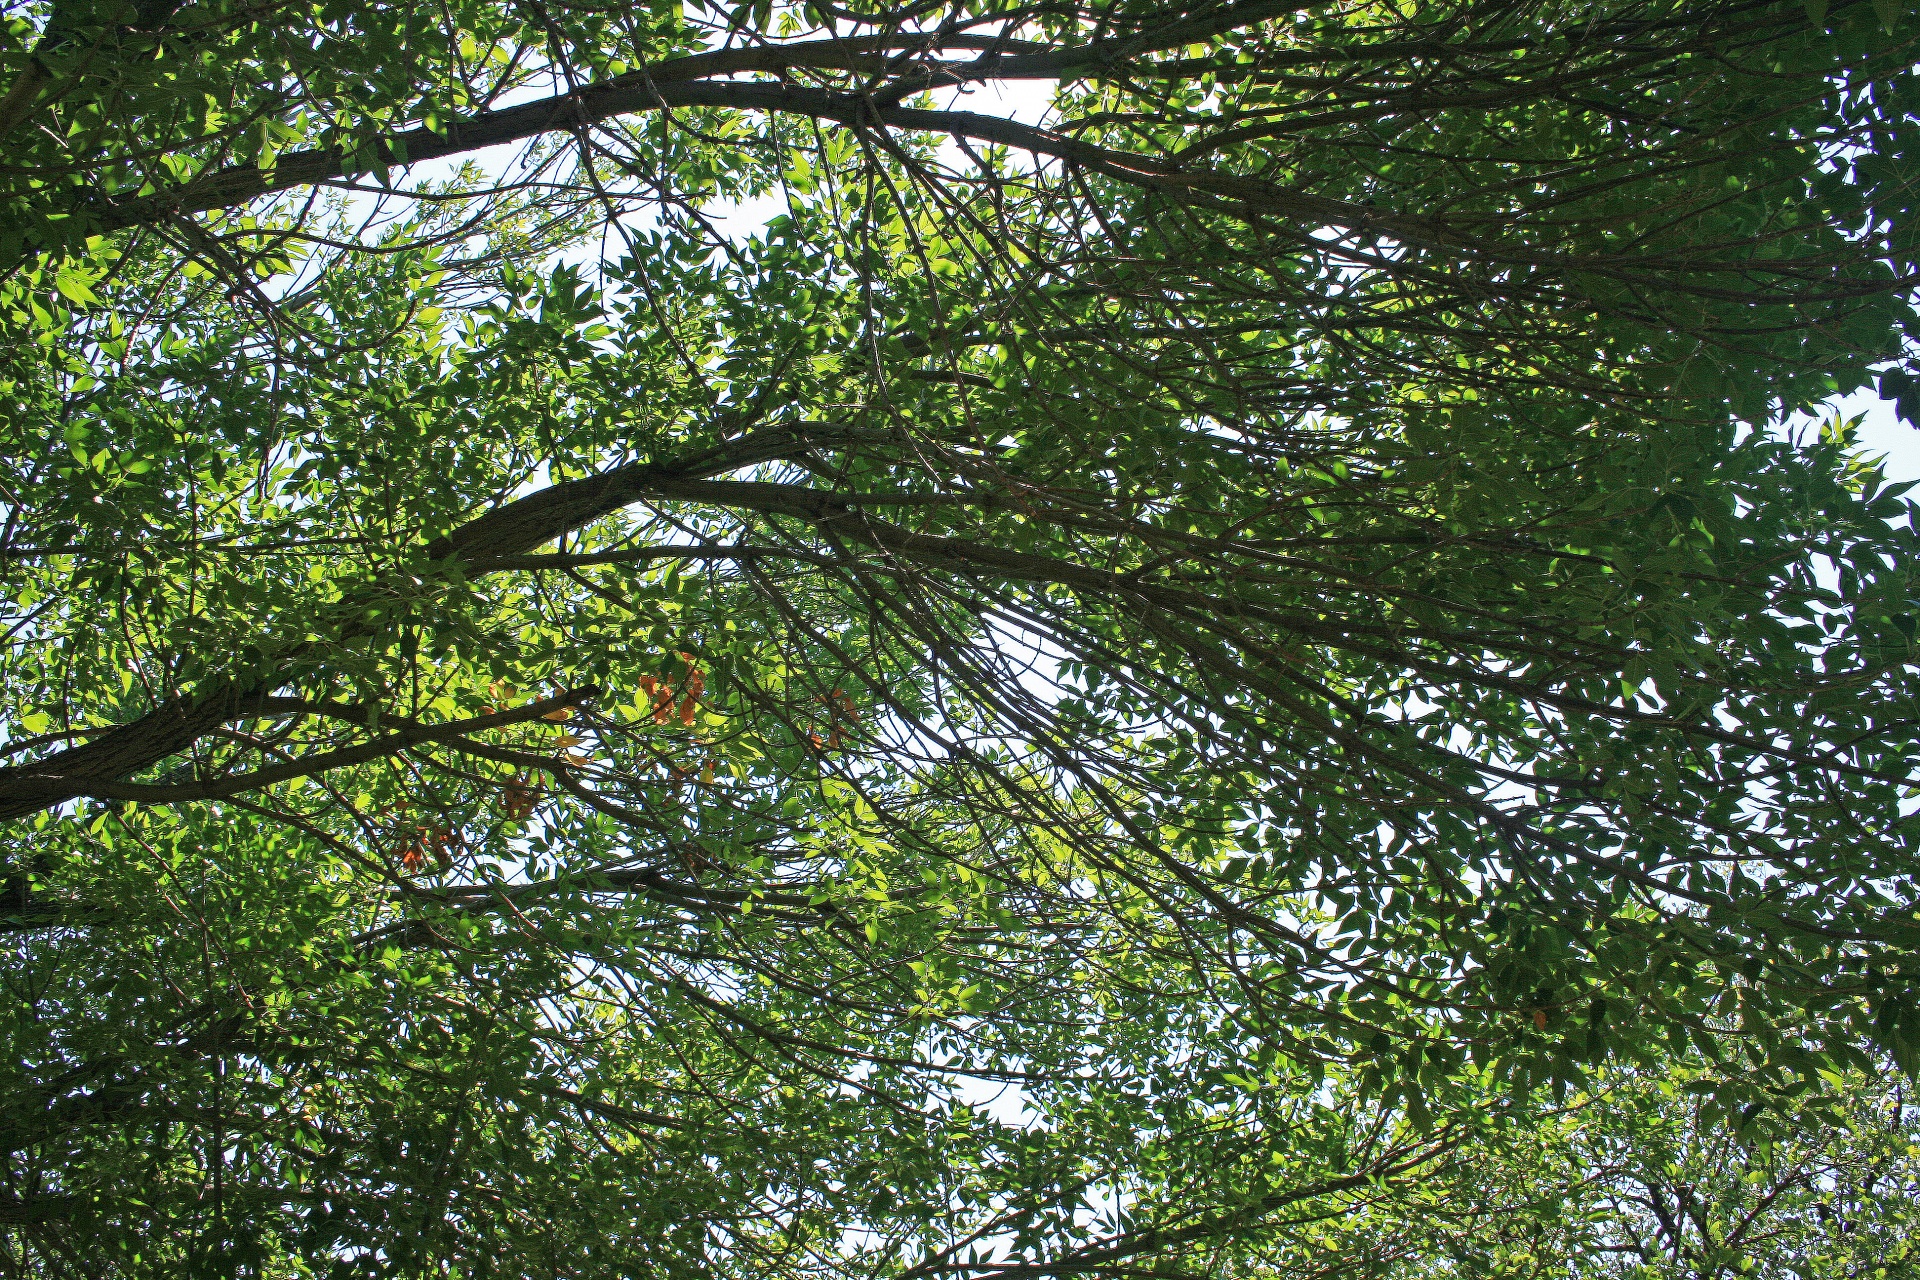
(1631, 1180)
(546, 736)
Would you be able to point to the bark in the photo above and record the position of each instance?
(100, 766)
(695, 81)
(1209, 629)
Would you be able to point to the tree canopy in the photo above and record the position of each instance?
(982, 639)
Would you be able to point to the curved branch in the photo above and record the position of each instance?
(410, 733)
(512, 529)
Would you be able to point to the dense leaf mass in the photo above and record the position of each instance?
(995, 639)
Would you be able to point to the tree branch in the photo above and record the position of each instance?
(510, 530)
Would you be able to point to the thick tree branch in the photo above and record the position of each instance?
(25, 96)
(408, 734)
(646, 555)
(510, 530)
(695, 81)
(502, 538)
(626, 95)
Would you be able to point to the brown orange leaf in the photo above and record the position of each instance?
(517, 798)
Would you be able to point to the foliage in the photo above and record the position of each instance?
(1635, 1180)
(1632, 1179)
(1271, 621)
